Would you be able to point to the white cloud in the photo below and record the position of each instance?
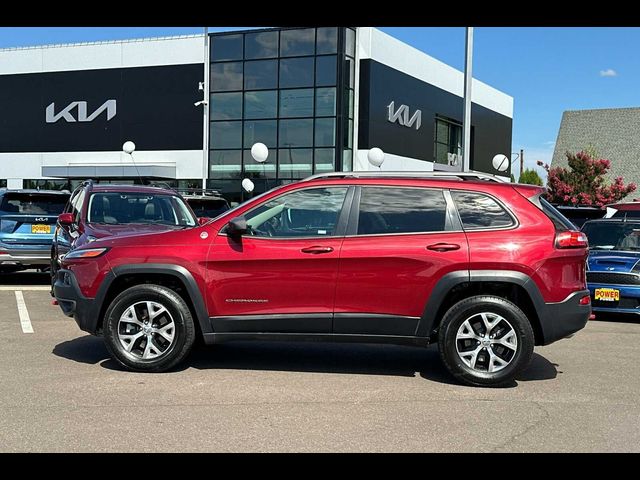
(609, 72)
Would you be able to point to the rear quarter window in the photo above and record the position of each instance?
(480, 211)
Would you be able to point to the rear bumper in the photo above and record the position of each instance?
(25, 256)
(85, 311)
(629, 299)
(560, 320)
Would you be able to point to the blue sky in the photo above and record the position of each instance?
(546, 70)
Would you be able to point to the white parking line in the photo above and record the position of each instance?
(25, 321)
(5, 288)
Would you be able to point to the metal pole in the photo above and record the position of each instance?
(521, 162)
(466, 124)
(205, 126)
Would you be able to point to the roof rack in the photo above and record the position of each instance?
(406, 174)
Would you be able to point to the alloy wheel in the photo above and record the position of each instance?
(146, 330)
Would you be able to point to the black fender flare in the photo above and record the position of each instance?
(451, 279)
(177, 271)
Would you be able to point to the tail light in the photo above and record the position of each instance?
(586, 300)
(571, 239)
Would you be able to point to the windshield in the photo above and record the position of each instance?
(613, 236)
(115, 208)
(33, 203)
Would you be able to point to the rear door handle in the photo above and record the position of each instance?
(317, 250)
(443, 247)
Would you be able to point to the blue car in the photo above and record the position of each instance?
(27, 223)
(613, 266)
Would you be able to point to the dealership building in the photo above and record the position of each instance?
(318, 98)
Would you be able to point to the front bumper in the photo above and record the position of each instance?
(629, 299)
(560, 320)
(85, 311)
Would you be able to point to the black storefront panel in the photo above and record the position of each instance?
(98, 110)
(412, 134)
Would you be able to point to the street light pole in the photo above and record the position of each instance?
(205, 126)
(466, 123)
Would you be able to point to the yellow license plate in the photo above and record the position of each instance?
(607, 294)
(40, 228)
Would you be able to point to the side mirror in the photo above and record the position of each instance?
(237, 226)
(65, 219)
(203, 220)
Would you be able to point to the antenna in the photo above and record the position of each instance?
(129, 147)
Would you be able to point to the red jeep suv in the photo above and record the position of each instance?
(484, 268)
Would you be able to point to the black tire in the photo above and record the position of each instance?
(465, 309)
(183, 334)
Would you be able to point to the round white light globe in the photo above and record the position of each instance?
(375, 156)
(128, 147)
(259, 152)
(248, 185)
(500, 162)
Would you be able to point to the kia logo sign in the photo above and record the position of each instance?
(401, 116)
(42, 219)
(81, 107)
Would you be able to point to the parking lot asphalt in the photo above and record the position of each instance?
(61, 392)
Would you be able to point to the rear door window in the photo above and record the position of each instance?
(395, 210)
(480, 211)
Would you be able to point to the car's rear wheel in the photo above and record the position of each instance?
(149, 328)
(485, 341)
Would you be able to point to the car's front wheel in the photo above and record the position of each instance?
(149, 328)
(485, 341)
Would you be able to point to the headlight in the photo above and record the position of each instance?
(85, 253)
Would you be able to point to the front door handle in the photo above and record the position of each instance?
(443, 247)
(317, 250)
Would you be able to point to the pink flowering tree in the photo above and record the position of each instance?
(583, 183)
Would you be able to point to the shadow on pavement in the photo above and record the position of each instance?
(304, 357)
(28, 277)
(87, 349)
(616, 317)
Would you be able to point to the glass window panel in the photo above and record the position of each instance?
(295, 162)
(442, 132)
(441, 153)
(311, 212)
(261, 104)
(264, 131)
(401, 210)
(296, 103)
(261, 74)
(349, 73)
(226, 76)
(325, 102)
(325, 132)
(261, 45)
(348, 134)
(253, 169)
(226, 47)
(325, 160)
(296, 72)
(225, 163)
(327, 41)
(296, 133)
(226, 135)
(226, 106)
(347, 160)
(326, 70)
(297, 42)
(350, 42)
(480, 211)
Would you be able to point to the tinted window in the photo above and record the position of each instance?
(226, 76)
(325, 102)
(295, 162)
(312, 212)
(325, 132)
(327, 40)
(401, 210)
(206, 207)
(297, 42)
(296, 133)
(225, 163)
(118, 208)
(296, 103)
(264, 131)
(559, 220)
(480, 211)
(226, 106)
(326, 70)
(226, 134)
(226, 47)
(33, 203)
(261, 104)
(261, 45)
(296, 72)
(261, 74)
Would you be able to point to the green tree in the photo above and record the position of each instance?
(530, 177)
